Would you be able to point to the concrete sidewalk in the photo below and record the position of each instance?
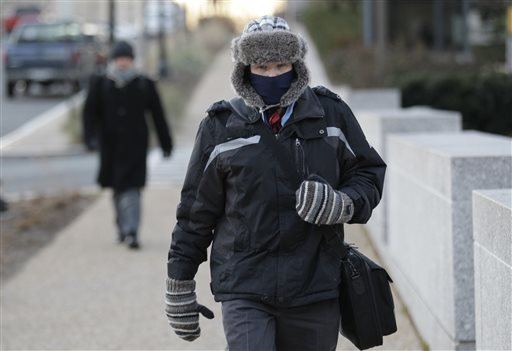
(85, 292)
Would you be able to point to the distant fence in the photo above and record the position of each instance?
(423, 229)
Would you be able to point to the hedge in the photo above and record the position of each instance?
(485, 100)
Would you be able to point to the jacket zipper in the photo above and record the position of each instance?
(300, 159)
(299, 151)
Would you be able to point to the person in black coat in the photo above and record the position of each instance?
(115, 123)
(268, 218)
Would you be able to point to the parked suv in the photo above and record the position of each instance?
(47, 53)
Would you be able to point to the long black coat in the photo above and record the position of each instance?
(114, 119)
(237, 198)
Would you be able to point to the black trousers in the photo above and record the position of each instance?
(254, 326)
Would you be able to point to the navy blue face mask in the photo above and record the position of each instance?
(271, 89)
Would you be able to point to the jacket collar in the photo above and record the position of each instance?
(307, 106)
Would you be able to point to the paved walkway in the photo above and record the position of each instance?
(85, 292)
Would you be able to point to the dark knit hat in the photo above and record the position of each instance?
(268, 40)
(122, 49)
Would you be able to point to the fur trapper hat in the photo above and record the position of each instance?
(268, 40)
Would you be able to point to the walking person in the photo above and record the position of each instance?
(271, 267)
(114, 122)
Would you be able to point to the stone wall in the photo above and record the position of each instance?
(380, 123)
(429, 249)
(364, 99)
(492, 234)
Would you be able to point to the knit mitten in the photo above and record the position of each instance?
(183, 310)
(318, 203)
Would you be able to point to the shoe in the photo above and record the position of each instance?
(132, 241)
(3, 205)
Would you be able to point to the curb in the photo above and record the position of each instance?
(9, 140)
(70, 152)
(30, 195)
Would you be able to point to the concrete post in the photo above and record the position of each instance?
(378, 124)
(430, 244)
(492, 234)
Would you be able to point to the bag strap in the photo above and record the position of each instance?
(337, 244)
(284, 161)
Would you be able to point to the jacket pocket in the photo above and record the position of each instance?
(240, 232)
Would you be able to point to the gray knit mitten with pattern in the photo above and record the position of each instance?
(318, 203)
(183, 310)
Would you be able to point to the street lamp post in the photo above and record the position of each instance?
(381, 37)
(112, 21)
(368, 20)
(163, 70)
(466, 49)
(438, 20)
(509, 38)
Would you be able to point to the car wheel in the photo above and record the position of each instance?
(9, 88)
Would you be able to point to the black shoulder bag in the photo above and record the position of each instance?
(366, 302)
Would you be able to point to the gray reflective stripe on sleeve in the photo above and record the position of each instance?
(336, 132)
(231, 145)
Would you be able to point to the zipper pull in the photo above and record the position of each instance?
(299, 157)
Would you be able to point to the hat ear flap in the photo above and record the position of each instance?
(303, 47)
(235, 50)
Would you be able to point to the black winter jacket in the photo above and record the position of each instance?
(115, 118)
(236, 196)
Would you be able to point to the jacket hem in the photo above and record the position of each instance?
(275, 301)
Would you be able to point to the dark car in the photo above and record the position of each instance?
(48, 53)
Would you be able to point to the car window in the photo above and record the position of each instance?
(27, 11)
(49, 33)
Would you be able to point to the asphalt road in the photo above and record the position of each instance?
(42, 175)
(39, 175)
(47, 175)
(14, 112)
(23, 107)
